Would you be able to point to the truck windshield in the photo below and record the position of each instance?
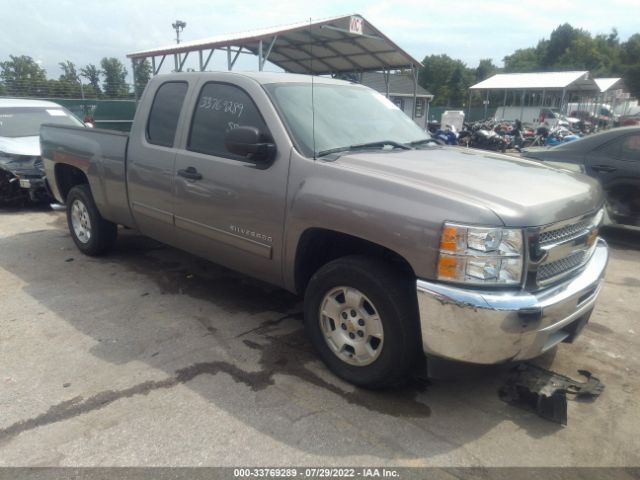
(345, 115)
(26, 121)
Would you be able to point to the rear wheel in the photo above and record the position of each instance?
(361, 316)
(92, 234)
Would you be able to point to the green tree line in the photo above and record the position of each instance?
(448, 79)
(566, 49)
(22, 76)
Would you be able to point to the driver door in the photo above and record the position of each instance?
(228, 209)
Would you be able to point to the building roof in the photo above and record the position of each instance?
(339, 44)
(605, 84)
(544, 80)
(398, 84)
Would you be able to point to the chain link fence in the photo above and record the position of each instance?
(111, 106)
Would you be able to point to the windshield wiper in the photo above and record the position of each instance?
(362, 146)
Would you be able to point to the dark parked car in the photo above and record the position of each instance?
(613, 157)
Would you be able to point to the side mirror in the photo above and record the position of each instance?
(250, 143)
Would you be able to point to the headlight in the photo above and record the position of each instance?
(481, 256)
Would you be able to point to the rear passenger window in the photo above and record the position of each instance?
(631, 148)
(221, 108)
(165, 111)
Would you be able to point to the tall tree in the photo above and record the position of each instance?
(92, 74)
(444, 77)
(485, 69)
(69, 73)
(521, 61)
(21, 76)
(142, 75)
(115, 76)
(69, 81)
(559, 42)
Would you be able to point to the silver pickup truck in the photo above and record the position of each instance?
(401, 247)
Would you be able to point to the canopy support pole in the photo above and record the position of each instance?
(182, 62)
(414, 74)
(504, 105)
(159, 65)
(206, 62)
(230, 62)
(428, 100)
(387, 79)
(486, 104)
(524, 93)
(133, 73)
(262, 58)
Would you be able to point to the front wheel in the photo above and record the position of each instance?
(92, 234)
(362, 318)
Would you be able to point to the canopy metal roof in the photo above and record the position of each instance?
(575, 81)
(606, 84)
(333, 45)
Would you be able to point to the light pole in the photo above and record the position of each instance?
(178, 26)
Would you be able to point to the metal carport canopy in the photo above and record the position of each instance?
(333, 45)
(574, 81)
(606, 84)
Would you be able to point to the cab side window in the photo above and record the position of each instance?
(221, 108)
(165, 112)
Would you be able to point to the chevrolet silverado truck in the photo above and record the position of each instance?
(401, 248)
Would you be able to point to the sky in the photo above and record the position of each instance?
(86, 31)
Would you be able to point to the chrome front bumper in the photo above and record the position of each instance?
(488, 326)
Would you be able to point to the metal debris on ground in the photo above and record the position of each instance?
(545, 392)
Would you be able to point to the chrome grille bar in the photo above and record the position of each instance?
(559, 249)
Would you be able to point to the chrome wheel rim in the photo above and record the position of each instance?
(351, 326)
(80, 221)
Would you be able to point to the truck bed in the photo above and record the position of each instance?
(100, 154)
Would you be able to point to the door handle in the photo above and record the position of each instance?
(603, 168)
(190, 173)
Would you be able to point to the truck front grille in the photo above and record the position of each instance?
(564, 233)
(557, 250)
(553, 269)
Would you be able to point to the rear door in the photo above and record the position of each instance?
(617, 165)
(228, 209)
(150, 160)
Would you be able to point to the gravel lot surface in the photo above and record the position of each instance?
(150, 356)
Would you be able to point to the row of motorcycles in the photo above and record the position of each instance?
(501, 136)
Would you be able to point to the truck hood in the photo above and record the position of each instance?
(20, 145)
(520, 192)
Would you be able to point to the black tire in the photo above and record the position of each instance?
(393, 295)
(103, 233)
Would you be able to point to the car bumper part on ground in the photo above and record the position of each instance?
(481, 326)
